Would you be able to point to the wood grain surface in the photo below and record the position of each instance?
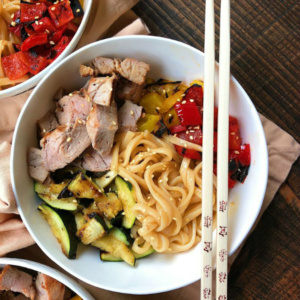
(265, 60)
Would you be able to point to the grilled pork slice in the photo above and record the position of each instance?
(101, 126)
(46, 124)
(86, 71)
(129, 68)
(104, 65)
(48, 288)
(128, 90)
(128, 116)
(36, 169)
(94, 162)
(64, 144)
(101, 89)
(73, 106)
(12, 279)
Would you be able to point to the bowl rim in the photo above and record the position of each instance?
(34, 80)
(59, 276)
(139, 37)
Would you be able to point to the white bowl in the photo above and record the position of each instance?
(31, 265)
(33, 81)
(159, 272)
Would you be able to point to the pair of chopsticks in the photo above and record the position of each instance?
(222, 153)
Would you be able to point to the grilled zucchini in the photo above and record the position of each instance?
(63, 227)
(65, 204)
(109, 205)
(127, 197)
(106, 179)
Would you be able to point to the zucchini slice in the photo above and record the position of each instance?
(79, 220)
(109, 205)
(50, 189)
(112, 245)
(65, 204)
(127, 197)
(106, 179)
(63, 227)
(119, 235)
(92, 230)
(106, 256)
(81, 187)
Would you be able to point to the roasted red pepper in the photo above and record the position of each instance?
(34, 40)
(16, 27)
(188, 113)
(61, 46)
(243, 155)
(235, 140)
(192, 135)
(32, 12)
(195, 92)
(177, 128)
(61, 13)
(13, 65)
(189, 153)
(44, 25)
(34, 63)
(57, 35)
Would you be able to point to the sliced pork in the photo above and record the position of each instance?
(102, 125)
(46, 124)
(133, 70)
(128, 116)
(94, 162)
(48, 288)
(129, 68)
(86, 71)
(101, 89)
(128, 90)
(64, 144)
(36, 169)
(73, 106)
(12, 279)
(104, 65)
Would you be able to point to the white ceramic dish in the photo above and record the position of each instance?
(158, 273)
(33, 81)
(31, 265)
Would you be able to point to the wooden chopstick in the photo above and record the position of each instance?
(207, 168)
(222, 154)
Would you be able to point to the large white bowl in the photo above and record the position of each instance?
(31, 265)
(33, 81)
(158, 273)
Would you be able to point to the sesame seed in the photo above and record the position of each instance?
(131, 235)
(79, 121)
(36, 17)
(236, 137)
(41, 23)
(37, 3)
(52, 43)
(197, 127)
(44, 130)
(114, 123)
(149, 197)
(178, 100)
(183, 95)
(52, 8)
(191, 138)
(158, 108)
(152, 238)
(152, 176)
(236, 152)
(47, 31)
(70, 93)
(87, 117)
(160, 181)
(123, 213)
(175, 219)
(232, 133)
(13, 23)
(144, 210)
(185, 145)
(170, 115)
(187, 132)
(78, 10)
(143, 115)
(147, 167)
(192, 100)
(87, 155)
(184, 102)
(192, 130)
(131, 112)
(75, 201)
(69, 139)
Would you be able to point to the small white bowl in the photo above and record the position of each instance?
(33, 81)
(31, 265)
(159, 272)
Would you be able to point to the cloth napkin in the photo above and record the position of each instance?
(109, 18)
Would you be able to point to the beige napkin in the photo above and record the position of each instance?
(113, 17)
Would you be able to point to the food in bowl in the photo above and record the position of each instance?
(33, 35)
(20, 283)
(120, 163)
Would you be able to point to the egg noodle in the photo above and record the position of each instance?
(168, 189)
(7, 39)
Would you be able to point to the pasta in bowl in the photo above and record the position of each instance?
(154, 168)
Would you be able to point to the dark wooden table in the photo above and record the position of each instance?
(265, 60)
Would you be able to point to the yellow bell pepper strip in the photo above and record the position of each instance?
(76, 298)
(171, 101)
(198, 82)
(152, 103)
(148, 122)
(165, 88)
(170, 118)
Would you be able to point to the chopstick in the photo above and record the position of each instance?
(207, 168)
(222, 154)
